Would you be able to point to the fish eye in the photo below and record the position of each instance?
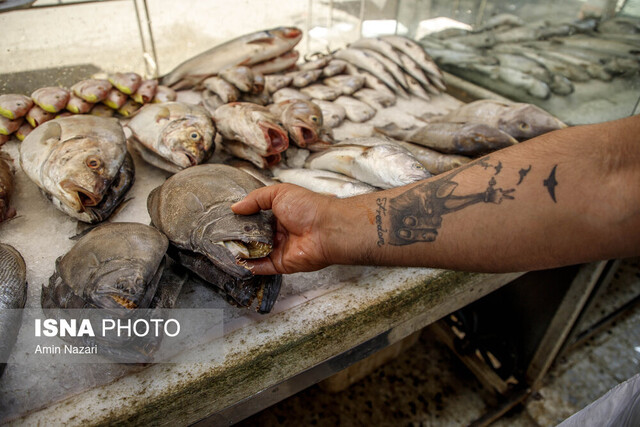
(93, 162)
(314, 119)
(524, 126)
(194, 135)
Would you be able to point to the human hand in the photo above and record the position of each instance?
(301, 225)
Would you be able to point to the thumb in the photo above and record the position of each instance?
(260, 199)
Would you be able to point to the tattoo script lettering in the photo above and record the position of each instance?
(416, 215)
(381, 211)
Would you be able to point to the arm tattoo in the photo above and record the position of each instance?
(523, 172)
(416, 215)
(551, 184)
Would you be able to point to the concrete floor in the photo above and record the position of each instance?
(428, 386)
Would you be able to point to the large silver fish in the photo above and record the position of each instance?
(253, 125)
(374, 161)
(365, 61)
(324, 182)
(13, 296)
(434, 161)
(172, 135)
(193, 208)
(248, 49)
(520, 120)
(80, 163)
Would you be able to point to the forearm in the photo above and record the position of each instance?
(566, 197)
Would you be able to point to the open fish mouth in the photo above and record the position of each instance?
(305, 135)
(273, 159)
(276, 137)
(191, 158)
(84, 197)
(248, 250)
(124, 302)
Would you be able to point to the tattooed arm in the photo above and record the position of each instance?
(565, 197)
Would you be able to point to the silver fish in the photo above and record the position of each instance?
(320, 91)
(80, 163)
(13, 296)
(173, 135)
(367, 62)
(334, 67)
(225, 90)
(434, 161)
(500, 20)
(566, 69)
(561, 85)
(192, 208)
(391, 67)
(315, 64)
(288, 93)
(301, 118)
(379, 45)
(305, 78)
(164, 94)
(416, 89)
(211, 101)
(415, 52)
(332, 114)
(253, 125)
(414, 70)
(324, 182)
(246, 152)
(517, 79)
(240, 76)
(469, 139)
(277, 64)
(345, 83)
(524, 64)
(248, 49)
(520, 120)
(477, 40)
(275, 82)
(356, 110)
(370, 81)
(375, 99)
(374, 161)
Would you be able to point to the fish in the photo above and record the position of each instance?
(356, 110)
(37, 116)
(334, 67)
(375, 99)
(501, 20)
(561, 85)
(277, 64)
(164, 94)
(129, 107)
(23, 131)
(246, 152)
(188, 96)
(115, 99)
(146, 91)
(172, 135)
(301, 118)
(259, 83)
(320, 91)
(347, 84)
(516, 78)
(372, 160)
(248, 49)
(324, 182)
(288, 93)
(416, 89)
(459, 59)
(92, 90)
(210, 101)
(315, 64)
(7, 185)
(476, 40)
(275, 82)
(379, 45)
(240, 76)
(115, 266)
(554, 65)
(448, 33)
(468, 139)
(434, 161)
(51, 99)
(295, 157)
(102, 110)
(14, 106)
(13, 297)
(305, 78)
(7, 127)
(225, 90)
(367, 62)
(193, 209)
(520, 120)
(413, 70)
(610, 47)
(524, 64)
(595, 70)
(78, 105)
(127, 83)
(332, 114)
(370, 81)
(81, 165)
(262, 175)
(391, 67)
(260, 98)
(253, 125)
(416, 52)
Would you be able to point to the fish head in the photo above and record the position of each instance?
(187, 140)
(263, 126)
(291, 34)
(303, 119)
(529, 121)
(120, 284)
(83, 170)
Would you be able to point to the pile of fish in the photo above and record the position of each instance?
(541, 58)
(13, 296)
(193, 209)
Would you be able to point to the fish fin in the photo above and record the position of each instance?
(193, 203)
(82, 229)
(262, 40)
(51, 133)
(163, 114)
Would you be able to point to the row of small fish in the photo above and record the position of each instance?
(119, 93)
(541, 58)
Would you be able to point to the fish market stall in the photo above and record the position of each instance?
(74, 134)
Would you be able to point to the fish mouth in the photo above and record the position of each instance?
(124, 302)
(304, 135)
(273, 159)
(277, 138)
(193, 160)
(84, 197)
(291, 33)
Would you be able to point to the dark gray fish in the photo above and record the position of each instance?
(13, 296)
(192, 208)
(6, 190)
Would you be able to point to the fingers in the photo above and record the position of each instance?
(260, 199)
(262, 266)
